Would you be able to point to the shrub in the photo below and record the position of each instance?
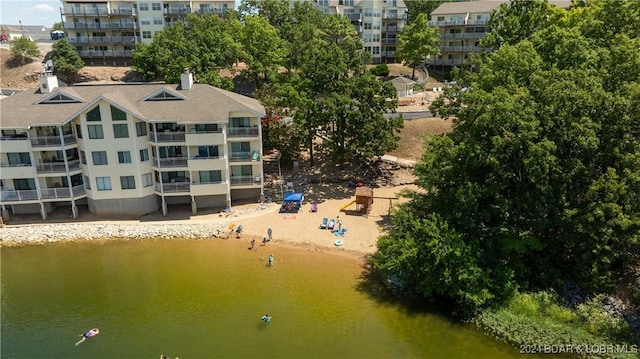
(380, 70)
(23, 50)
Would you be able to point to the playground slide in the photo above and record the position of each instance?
(347, 205)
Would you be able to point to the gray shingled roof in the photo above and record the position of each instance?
(482, 6)
(203, 103)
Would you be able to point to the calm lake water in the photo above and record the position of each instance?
(204, 299)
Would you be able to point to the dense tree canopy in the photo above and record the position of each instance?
(539, 181)
(202, 44)
(66, 60)
(23, 50)
(417, 42)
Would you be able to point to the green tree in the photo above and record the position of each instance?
(519, 20)
(202, 44)
(539, 181)
(66, 60)
(418, 41)
(23, 50)
(57, 26)
(261, 48)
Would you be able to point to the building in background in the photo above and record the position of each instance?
(462, 25)
(105, 32)
(377, 22)
(128, 149)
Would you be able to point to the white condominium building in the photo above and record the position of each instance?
(377, 22)
(128, 149)
(463, 24)
(105, 31)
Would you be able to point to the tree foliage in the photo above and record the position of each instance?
(417, 42)
(23, 50)
(58, 26)
(417, 7)
(201, 43)
(540, 180)
(66, 60)
(260, 48)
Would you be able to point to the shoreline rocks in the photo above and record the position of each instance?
(52, 233)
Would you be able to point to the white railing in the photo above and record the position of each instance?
(173, 187)
(245, 180)
(53, 167)
(49, 141)
(45, 193)
(243, 131)
(170, 162)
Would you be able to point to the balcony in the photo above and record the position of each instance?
(170, 162)
(244, 156)
(45, 193)
(209, 188)
(85, 11)
(245, 180)
(446, 23)
(105, 53)
(53, 141)
(58, 167)
(460, 48)
(389, 41)
(354, 17)
(177, 10)
(465, 35)
(390, 29)
(219, 11)
(446, 62)
(204, 138)
(16, 137)
(177, 136)
(123, 12)
(174, 187)
(243, 131)
(393, 15)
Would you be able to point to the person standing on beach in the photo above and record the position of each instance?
(269, 233)
(253, 243)
(270, 259)
(339, 223)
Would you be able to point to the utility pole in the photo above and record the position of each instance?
(21, 29)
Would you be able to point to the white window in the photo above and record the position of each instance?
(103, 183)
(147, 180)
(145, 21)
(146, 34)
(87, 182)
(127, 182)
(144, 6)
(124, 156)
(120, 131)
(155, 6)
(99, 158)
(157, 21)
(144, 155)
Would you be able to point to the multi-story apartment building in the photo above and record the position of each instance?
(128, 149)
(105, 31)
(377, 21)
(462, 25)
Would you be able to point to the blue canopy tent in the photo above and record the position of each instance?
(292, 203)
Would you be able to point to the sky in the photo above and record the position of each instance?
(30, 12)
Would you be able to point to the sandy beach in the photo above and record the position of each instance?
(301, 229)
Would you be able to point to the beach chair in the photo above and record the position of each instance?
(331, 224)
(323, 225)
(314, 206)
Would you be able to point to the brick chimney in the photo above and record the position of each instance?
(186, 79)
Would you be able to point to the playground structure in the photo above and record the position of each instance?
(364, 201)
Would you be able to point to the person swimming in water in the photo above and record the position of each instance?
(266, 318)
(91, 333)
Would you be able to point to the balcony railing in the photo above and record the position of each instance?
(63, 192)
(245, 180)
(85, 11)
(393, 15)
(199, 157)
(178, 136)
(56, 167)
(105, 39)
(244, 156)
(122, 12)
(15, 164)
(177, 10)
(170, 162)
(53, 141)
(45, 193)
(243, 131)
(460, 48)
(17, 137)
(465, 35)
(105, 53)
(389, 41)
(173, 187)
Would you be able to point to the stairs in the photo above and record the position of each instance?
(273, 180)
